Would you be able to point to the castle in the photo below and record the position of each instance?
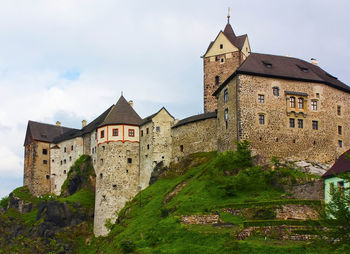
(285, 107)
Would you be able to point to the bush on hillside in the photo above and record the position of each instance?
(4, 202)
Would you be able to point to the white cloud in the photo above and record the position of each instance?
(150, 50)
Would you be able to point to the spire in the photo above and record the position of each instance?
(228, 15)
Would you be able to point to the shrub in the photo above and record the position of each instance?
(127, 246)
(4, 202)
(265, 214)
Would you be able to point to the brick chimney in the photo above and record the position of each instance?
(314, 61)
(131, 103)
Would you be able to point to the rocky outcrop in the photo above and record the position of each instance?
(312, 168)
(57, 215)
(19, 204)
(201, 219)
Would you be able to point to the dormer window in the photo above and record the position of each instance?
(267, 64)
(221, 46)
(303, 69)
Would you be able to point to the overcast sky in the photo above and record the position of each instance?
(70, 60)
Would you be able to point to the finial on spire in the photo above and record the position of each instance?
(228, 15)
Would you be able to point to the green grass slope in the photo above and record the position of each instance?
(203, 183)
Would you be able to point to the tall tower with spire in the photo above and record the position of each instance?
(222, 58)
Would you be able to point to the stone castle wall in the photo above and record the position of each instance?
(155, 146)
(275, 137)
(117, 179)
(213, 66)
(37, 167)
(194, 137)
(63, 155)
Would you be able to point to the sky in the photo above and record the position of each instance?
(70, 60)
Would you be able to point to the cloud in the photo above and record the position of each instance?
(70, 60)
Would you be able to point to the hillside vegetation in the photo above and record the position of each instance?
(206, 203)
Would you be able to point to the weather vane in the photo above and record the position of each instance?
(228, 15)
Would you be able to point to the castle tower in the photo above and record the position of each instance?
(223, 56)
(117, 169)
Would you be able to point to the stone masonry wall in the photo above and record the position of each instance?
(195, 137)
(213, 68)
(62, 158)
(37, 168)
(276, 137)
(226, 137)
(117, 180)
(155, 147)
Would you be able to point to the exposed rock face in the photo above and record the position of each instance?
(312, 168)
(18, 204)
(57, 215)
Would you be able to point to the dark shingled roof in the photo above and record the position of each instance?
(45, 132)
(122, 113)
(195, 118)
(237, 41)
(341, 165)
(149, 118)
(286, 68)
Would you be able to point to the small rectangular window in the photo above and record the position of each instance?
(314, 105)
(226, 117)
(102, 134)
(65, 149)
(147, 131)
(157, 128)
(292, 102)
(217, 80)
(261, 119)
(115, 132)
(131, 133)
(225, 95)
(300, 103)
(64, 161)
(339, 110)
(300, 123)
(276, 91)
(221, 46)
(129, 160)
(340, 130)
(340, 143)
(64, 171)
(101, 160)
(44, 151)
(141, 133)
(71, 148)
(147, 146)
(291, 122)
(44, 161)
(261, 98)
(315, 125)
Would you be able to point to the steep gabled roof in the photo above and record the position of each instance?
(45, 132)
(237, 41)
(341, 165)
(122, 113)
(149, 118)
(286, 68)
(195, 118)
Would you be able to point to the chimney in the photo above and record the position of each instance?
(83, 123)
(131, 103)
(314, 61)
(58, 123)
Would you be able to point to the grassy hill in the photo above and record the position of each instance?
(206, 203)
